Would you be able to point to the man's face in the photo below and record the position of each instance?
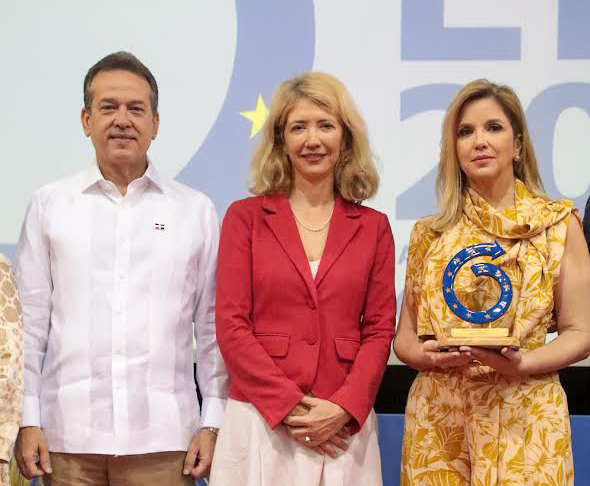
(120, 121)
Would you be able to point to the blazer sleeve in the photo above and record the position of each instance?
(357, 394)
(250, 367)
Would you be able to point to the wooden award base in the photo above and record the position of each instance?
(487, 338)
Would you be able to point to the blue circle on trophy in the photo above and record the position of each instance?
(493, 250)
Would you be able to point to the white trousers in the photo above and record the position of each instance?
(249, 453)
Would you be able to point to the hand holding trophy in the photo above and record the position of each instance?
(479, 332)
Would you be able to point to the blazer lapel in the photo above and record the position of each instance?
(343, 226)
(280, 220)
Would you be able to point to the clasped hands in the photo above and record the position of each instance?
(319, 424)
(507, 361)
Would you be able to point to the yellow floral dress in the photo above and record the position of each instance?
(11, 366)
(470, 425)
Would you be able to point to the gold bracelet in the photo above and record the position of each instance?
(213, 430)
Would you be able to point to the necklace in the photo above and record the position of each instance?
(314, 230)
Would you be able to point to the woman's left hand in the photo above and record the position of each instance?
(508, 361)
(323, 421)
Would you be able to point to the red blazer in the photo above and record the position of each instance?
(281, 334)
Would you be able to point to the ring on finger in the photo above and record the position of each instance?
(307, 439)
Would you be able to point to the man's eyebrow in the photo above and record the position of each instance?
(109, 100)
(114, 101)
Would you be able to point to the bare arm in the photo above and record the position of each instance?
(420, 355)
(572, 307)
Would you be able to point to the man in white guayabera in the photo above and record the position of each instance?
(116, 270)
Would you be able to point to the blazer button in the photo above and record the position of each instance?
(310, 303)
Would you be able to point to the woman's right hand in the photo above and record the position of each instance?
(331, 446)
(434, 357)
(419, 354)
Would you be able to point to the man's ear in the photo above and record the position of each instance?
(156, 125)
(85, 119)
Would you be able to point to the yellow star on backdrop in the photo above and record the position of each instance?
(257, 117)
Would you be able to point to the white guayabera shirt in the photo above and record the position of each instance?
(113, 289)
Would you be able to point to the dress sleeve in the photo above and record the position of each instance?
(11, 360)
(421, 239)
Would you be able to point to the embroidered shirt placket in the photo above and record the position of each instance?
(119, 321)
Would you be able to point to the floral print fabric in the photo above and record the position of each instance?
(470, 425)
(11, 366)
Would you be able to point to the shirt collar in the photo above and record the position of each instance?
(92, 175)
(153, 175)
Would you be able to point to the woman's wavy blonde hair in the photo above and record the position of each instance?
(355, 177)
(451, 181)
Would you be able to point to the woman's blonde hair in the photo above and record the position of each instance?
(451, 181)
(355, 177)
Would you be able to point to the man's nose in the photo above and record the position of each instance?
(122, 117)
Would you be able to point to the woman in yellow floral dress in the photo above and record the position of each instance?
(11, 366)
(476, 416)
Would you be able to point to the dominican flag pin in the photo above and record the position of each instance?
(159, 226)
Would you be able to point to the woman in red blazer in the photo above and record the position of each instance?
(305, 300)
